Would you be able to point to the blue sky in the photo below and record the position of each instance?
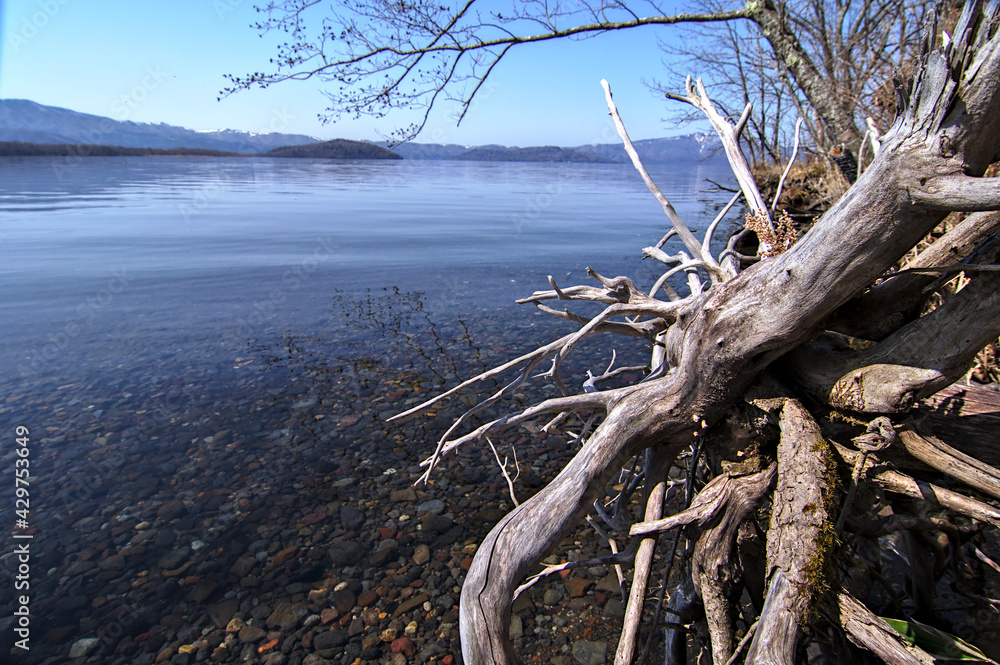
(165, 61)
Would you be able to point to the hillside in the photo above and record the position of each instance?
(29, 122)
(539, 154)
(693, 147)
(335, 149)
(20, 149)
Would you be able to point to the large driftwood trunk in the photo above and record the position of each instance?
(718, 342)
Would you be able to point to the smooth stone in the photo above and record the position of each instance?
(614, 608)
(590, 653)
(221, 613)
(286, 616)
(346, 553)
(437, 523)
(433, 506)
(408, 494)
(366, 598)
(83, 647)
(306, 403)
(410, 604)
(329, 639)
(577, 587)
(403, 645)
(421, 555)
(250, 634)
(351, 518)
(172, 560)
(516, 627)
(171, 509)
(344, 600)
(243, 565)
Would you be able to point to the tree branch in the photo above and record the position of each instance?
(959, 193)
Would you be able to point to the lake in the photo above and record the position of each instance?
(111, 265)
(191, 341)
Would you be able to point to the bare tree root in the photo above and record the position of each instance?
(712, 567)
(656, 474)
(939, 455)
(800, 536)
(712, 345)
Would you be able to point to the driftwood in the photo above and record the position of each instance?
(721, 339)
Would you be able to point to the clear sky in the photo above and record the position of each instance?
(165, 61)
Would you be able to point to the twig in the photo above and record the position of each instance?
(781, 182)
(657, 465)
(746, 638)
(730, 136)
(503, 470)
(706, 245)
(682, 229)
(616, 559)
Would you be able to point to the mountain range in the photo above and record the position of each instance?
(24, 121)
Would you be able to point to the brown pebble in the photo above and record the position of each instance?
(367, 598)
(344, 600)
(577, 586)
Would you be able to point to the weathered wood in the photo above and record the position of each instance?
(886, 307)
(656, 479)
(870, 632)
(954, 463)
(799, 538)
(899, 483)
(712, 564)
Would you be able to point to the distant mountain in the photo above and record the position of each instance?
(19, 149)
(540, 154)
(28, 122)
(411, 150)
(335, 149)
(673, 149)
(693, 147)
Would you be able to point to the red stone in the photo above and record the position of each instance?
(404, 645)
(313, 518)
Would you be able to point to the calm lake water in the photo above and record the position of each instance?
(205, 351)
(114, 266)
